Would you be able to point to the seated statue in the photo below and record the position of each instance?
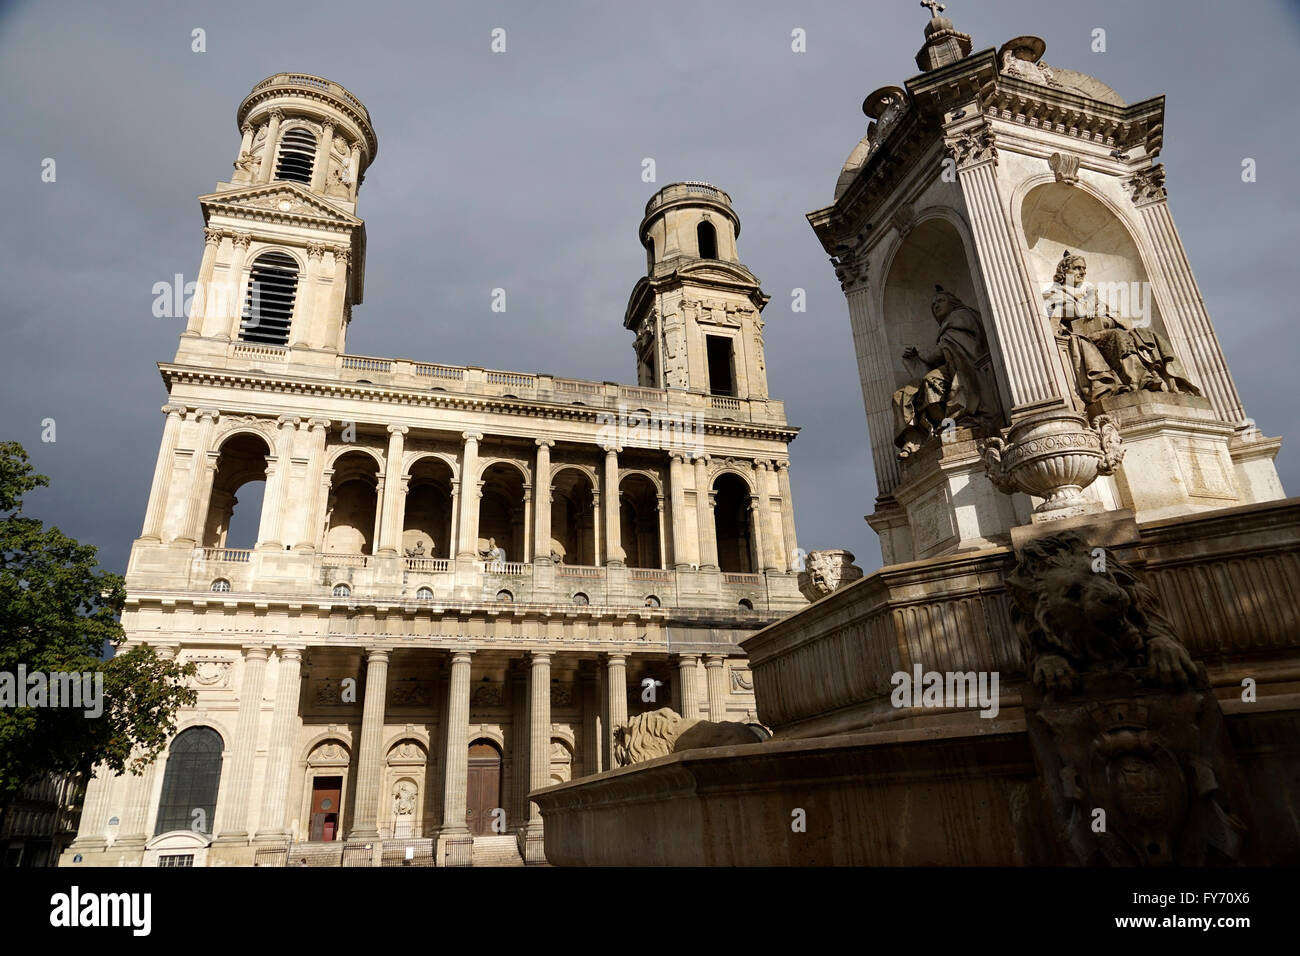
(1108, 354)
(417, 551)
(951, 387)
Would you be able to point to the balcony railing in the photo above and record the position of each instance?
(428, 564)
(648, 574)
(335, 560)
(734, 578)
(580, 571)
(229, 555)
(506, 567)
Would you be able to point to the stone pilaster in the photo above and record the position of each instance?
(156, 512)
(688, 689)
(312, 494)
(278, 475)
(454, 835)
(715, 667)
(303, 326)
(269, 150)
(323, 153)
(757, 552)
(591, 749)
(234, 812)
(203, 291)
(199, 483)
(789, 560)
(686, 551)
(284, 727)
(334, 339)
(365, 817)
(223, 323)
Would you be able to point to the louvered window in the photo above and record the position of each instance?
(297, 156)
(268, 310)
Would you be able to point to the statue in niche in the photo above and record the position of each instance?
(950, 389)
(1108, 353)
(246, 162)
(404, 799)
(418, 551)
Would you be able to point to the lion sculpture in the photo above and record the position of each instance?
(658, 733)
(1078, 609)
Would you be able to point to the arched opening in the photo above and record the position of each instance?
(241, 467)
(731, 520)
(191, 782)
(268, 309)
(573, 518)
(639, 520)
(327, 766)
(501, 512)
(297, 155)
(483, 787)
(353, 501)
(426, 528)
(706, 238)
(561, 761)
(650, 256)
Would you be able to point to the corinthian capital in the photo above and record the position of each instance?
(973, 146)
(212, 235)
(1147, 185)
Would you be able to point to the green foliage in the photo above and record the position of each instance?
(58, 612)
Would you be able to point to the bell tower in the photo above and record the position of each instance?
(284, 252)
(697, 311)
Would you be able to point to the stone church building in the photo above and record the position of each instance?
(463, 579)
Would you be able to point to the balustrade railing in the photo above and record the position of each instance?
(228, 555)
(337, 560)
(428, 564)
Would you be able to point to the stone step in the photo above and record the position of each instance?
(495, 851)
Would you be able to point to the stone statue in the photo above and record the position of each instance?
(951, 388)
(404, 799)
(417, 551)
(246, 162)
(1074, 615)
(1107, 353)
(492, 554)
(826, 572)
(664, 731)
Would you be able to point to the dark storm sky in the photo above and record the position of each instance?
(523, 171)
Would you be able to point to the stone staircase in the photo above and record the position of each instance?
(495, 851)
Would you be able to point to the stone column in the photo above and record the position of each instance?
(773, 549)
(454, 833)
(704, 515)
(591, 749)
(756, 551)
(156, 513)
(716, 673)
(234, 814)
(686, 551)
(1035, 375)
(246, 144)
(539, 749)
(370, 762)
(278, 475)
(338, 301)
(468, 546)
(271, 148)
(390, 536)
(323, 152)
(302, 327)
(310, 532)
(789, 560)
(613, 546)
(542, 502)
(203, 292)
(224, 323)
(688, 684)
(354, 169)
(199, 483)
(616, 691)
(1188, 324)
(663, 544)
(95, 808)
(284, 726)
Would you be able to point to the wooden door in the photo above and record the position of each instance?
(325, 794)
(484, 787)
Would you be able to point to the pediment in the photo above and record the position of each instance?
(277, 200)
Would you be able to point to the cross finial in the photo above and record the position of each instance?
(936, 8)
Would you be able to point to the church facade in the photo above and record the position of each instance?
(463, 579)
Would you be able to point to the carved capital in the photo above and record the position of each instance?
(850, 268)
(212, 236)
(241, 239)
(1065, 166)
(207, 414)
(315, 252)
(288, 421)
(973, 147)
(547, 442)
(275, 113)
(246, 128)
(173, 411)
(342, 255)
(398, 429)
(475, 437)
(318, 424)
(1147, 185)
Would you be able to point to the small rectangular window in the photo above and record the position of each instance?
(176, 859)
(722, 367)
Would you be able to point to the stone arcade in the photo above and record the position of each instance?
(1071, 498)
(462, 578)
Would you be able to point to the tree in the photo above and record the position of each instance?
(58, 615)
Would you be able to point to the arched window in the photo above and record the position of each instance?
(221, 584)
(424, 594)
(268, 310)
(651, 601)
(342, 590)
(746, 604)
(297, 156)
(505, 597)
(189, 791)
(581, 599)
(706, 238)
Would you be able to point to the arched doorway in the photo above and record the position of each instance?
(241, 468)
(353, 505)
(190, 783)
(426, 529)
(731, 516)
(639, 519)
(483, 793)
(501, 511)
(573, 517)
